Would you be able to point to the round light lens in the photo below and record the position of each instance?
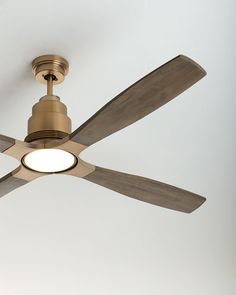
(49, 160)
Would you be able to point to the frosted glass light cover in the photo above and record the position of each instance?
(49, 160)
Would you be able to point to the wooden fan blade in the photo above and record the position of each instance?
(140, 99)
(146, 190)
(6, 142)
(21, 175)
(8, 183)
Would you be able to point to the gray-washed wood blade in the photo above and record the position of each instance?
(6, 142)
(9, 183)
(146, 190)
(140, 99)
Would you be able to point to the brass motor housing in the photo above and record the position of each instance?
(49, 120)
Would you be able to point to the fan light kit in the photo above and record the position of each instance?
(49, 160)
(50, 147)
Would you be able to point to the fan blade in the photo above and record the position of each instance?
(140, 99)
(6, 142)
(146, 190)
(8, 183)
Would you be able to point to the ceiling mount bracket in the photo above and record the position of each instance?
(54, 65)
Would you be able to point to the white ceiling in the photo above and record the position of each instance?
(61, 235)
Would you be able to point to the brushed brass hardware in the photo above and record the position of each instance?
(49, 79)
(50, 64)
(49, 118)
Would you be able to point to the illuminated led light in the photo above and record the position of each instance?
(49, 160)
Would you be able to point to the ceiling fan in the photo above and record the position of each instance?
(50, 147)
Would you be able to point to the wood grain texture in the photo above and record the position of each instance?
(9, 183)
(140, 99)
(6, 142)
(19, 150)
(146, 190)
